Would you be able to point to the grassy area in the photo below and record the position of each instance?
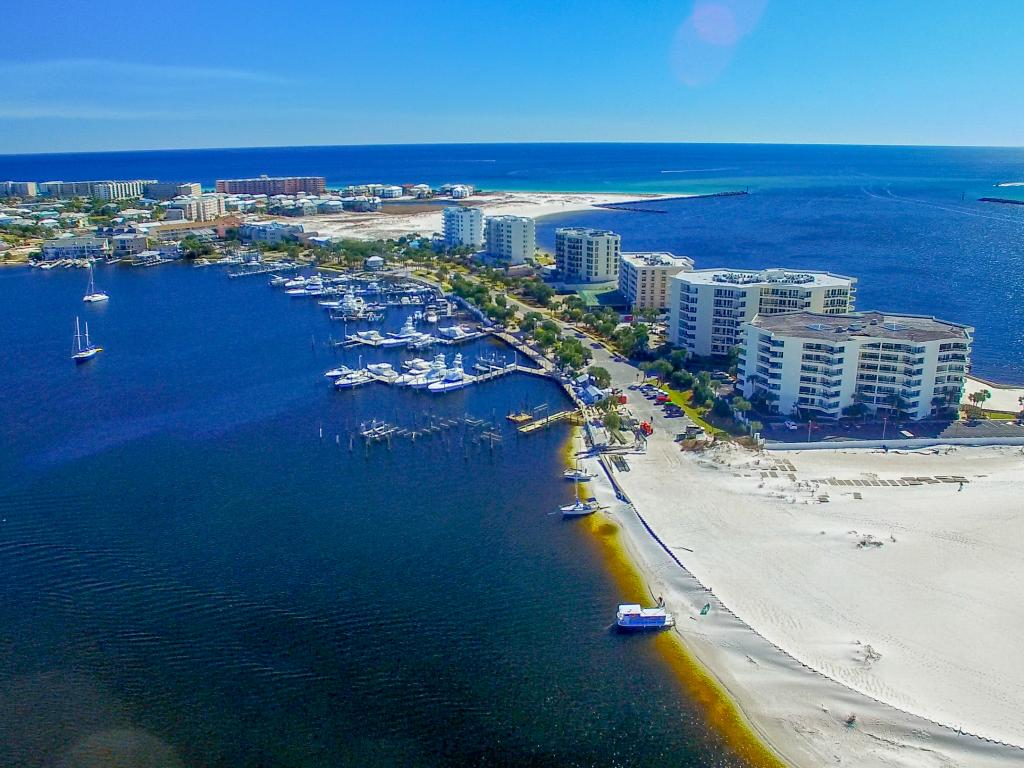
(1000, 415)
(697, 415)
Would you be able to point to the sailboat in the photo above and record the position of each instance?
(579, 508)
(82, 349)
(578, 474)
(91, 294)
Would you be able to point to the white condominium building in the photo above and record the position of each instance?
(587, 255)
(511, 238)
(463, 226)
(76, 248)
(708, 306)
(644, 277)
(825, 364)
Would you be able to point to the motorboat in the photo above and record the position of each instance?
(430, 316)
(631, 616)
(91, 294)
(434, 373)
(382, 369)
(82, 349)
(336, 373)
(453, 378)
(353, 379)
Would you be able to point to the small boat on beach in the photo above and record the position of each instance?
(580, 507)
(82, 349)
(633, 617)
(579, 475)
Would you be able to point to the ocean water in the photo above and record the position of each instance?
(191, 572)
(905, 221)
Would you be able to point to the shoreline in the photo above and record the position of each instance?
(537, 205)
(797, 712)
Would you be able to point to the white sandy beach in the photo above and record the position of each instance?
(372, 226)
(924, 627)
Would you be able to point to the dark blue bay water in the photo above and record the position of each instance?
(188, 567)
(904, 220)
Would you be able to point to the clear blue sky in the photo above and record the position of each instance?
(132, 75)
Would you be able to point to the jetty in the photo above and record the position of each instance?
(635, 207)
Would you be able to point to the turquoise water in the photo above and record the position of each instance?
(189, 570)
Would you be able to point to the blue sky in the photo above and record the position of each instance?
(133, 75)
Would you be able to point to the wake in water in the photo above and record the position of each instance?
(889, 195)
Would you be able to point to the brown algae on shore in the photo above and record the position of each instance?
(720, 713)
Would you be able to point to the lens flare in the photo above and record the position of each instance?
(705, 42)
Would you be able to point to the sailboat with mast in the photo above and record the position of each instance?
(82, 349)
(579, 508)
(91, 294)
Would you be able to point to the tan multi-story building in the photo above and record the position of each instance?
(825, 364)
(644, 278)
(199, 208)
(587, 255)
(165, 190)
(273, 185)
(707, 307)
(18, 189)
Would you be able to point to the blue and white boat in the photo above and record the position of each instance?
(631, 616)
(82, 349)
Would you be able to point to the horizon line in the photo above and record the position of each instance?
(515, 143)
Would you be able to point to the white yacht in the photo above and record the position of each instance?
(454, 378)
(434, 373)
(91, 294)
(353, 379)
(82, 349)
(336, 373)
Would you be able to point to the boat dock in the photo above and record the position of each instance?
(263, 269)
(554, 418)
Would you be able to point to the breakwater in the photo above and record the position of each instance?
(633, 207)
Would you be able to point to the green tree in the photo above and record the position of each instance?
(662, 369)
(612, 421)
(602, 378)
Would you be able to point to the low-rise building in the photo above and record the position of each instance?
(271, 232)
(76, 248)
(644, 278)
(585, 255)
(129, 244)
(511, 238)
(375, 263)
(463, 226)
(361, 204)
(390, 192)
(831, 365)
(707, 307)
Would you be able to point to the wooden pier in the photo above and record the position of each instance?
(554, 418)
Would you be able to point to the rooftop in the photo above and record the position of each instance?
(858, 325)
(773, 276)
(585, 232)
(657, 259)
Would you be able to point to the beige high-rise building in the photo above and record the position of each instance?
(644, 278)
(587, 255)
